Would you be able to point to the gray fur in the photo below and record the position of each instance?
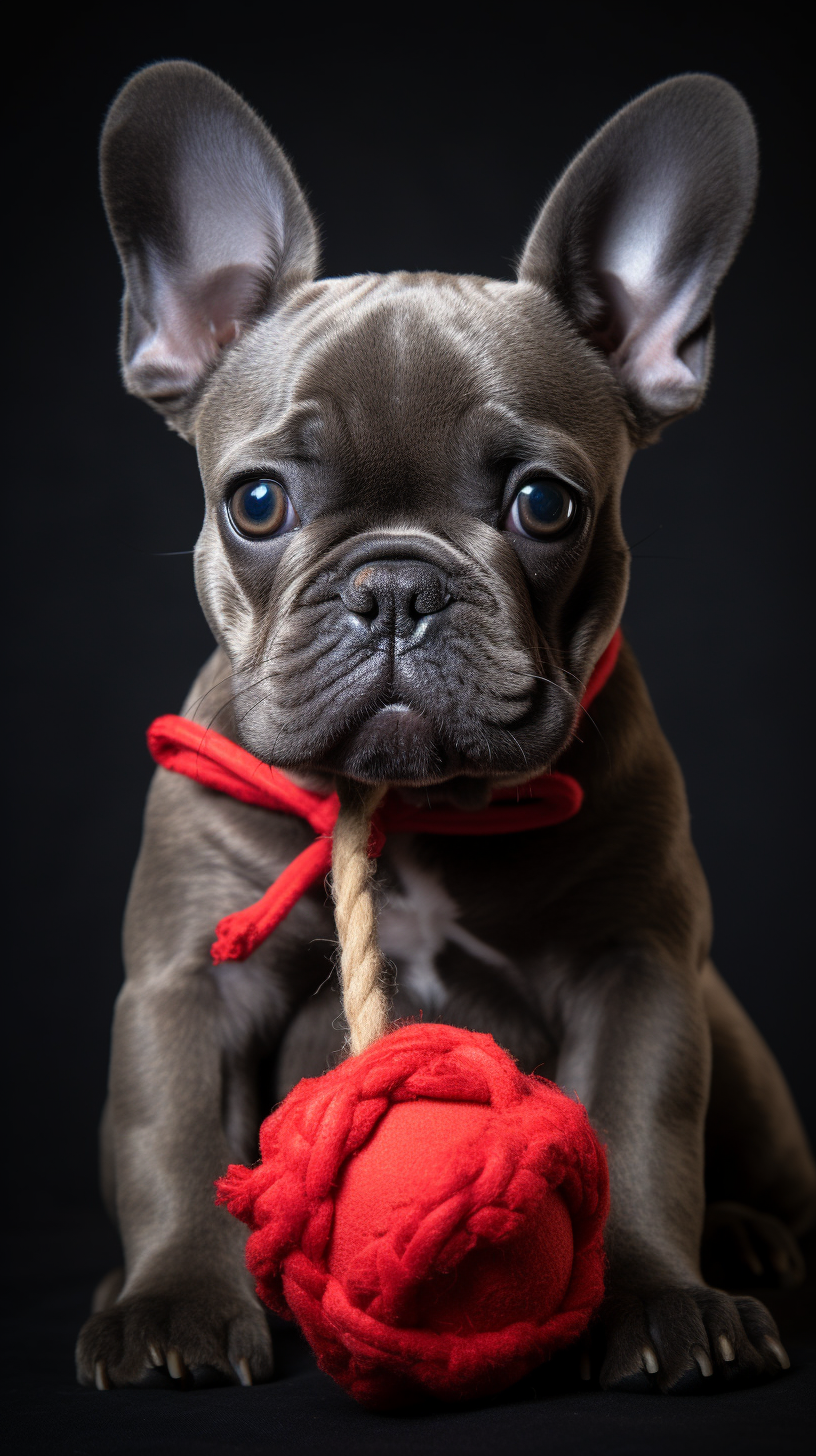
(404, 631)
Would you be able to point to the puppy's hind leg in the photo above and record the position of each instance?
(760, 1172)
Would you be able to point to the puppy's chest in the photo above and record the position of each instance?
(420, 923)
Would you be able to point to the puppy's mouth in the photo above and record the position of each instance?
(444, 752)
(395, 744)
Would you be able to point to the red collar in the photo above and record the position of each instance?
(217, 763)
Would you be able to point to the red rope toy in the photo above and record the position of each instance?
(431, 1217)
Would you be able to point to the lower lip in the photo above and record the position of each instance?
(396, 742)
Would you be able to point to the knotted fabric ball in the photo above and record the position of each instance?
(431, 1216)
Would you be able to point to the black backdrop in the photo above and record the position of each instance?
(424, 140)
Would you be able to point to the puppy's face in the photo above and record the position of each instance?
(412, 550)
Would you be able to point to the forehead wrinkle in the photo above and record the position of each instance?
(287, 438)
(451, 304)
(325, 322)
(405, 364)
(546, 438)
(392, 349)
(384, 354)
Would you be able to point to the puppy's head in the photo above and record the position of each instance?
(412, 552)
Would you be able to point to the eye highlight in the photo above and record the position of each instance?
(261, 508)
(542, 509)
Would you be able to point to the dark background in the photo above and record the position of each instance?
(425, 138)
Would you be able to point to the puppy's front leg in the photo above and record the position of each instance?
(183, 1091)
(636, 1051)
(187, 1303)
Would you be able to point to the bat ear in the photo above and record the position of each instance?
(209, 222)
(638, 233)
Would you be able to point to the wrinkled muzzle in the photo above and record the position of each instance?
(401, 657)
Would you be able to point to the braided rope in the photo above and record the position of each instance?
(533, 1142)
(361, 962)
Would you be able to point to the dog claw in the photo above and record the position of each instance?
(779, 1352)
(650, 1364)
(243, 1371)
(726, 1349)
(101, 1380)
(175, 1365)
(706, 1368)
(156, 1359)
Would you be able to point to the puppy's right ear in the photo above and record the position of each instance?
(210, 224)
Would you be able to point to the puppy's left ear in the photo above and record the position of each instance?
(640, 230)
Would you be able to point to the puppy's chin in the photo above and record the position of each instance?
(412, 751)
(397, 745)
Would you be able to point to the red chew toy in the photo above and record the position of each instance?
(430, 1216)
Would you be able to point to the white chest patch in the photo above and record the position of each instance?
(414, 924)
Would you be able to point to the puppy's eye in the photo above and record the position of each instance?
(262, 508)
(542, 508)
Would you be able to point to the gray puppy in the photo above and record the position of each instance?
(411, 559)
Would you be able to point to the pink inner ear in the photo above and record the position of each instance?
(195, 320)
(652, 320)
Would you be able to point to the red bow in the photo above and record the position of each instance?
(217, 763)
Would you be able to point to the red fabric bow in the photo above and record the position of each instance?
(217, 763)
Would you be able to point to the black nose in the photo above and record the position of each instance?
(395, 597)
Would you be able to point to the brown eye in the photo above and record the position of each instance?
(262, 508)
(542, 508)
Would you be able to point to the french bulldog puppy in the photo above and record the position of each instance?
(411, 560)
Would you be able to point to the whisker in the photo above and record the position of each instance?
(582, 685)
(538, 678)
(231, 701)
(198, 701)
(233, 698)
(647, 537)
(512, 737)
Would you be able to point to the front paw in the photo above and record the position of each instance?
(183, 1337)
(679, 1340)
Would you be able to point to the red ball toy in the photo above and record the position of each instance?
(431, 1217)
